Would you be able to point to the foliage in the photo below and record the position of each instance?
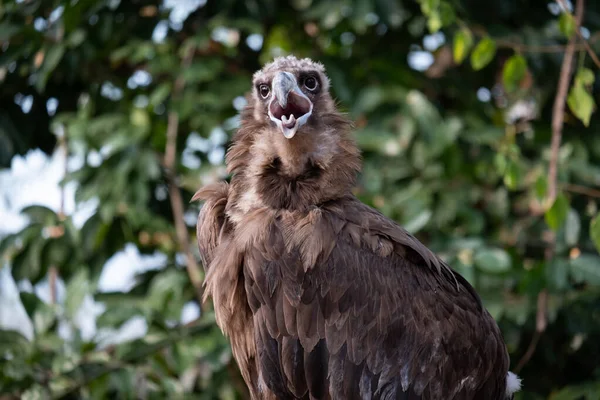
(457, 151)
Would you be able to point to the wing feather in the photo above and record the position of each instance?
(354, 306)
(211, 220)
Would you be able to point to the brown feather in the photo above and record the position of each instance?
(322, 296)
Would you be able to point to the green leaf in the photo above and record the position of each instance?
(557, 273)
(77, 288)
(513, 72)
(572, 228)
(418, 222)
(27, 264)
(500, 162)
(31, 302)
(557, 214)
(493, 260)
(14, 343)
(117, 315)
(463, 41)
(51, 60)
(541, 187)
(586, 269)
(140, 118)
(76, 38)
(581, 103)
(512, 175)
(585, 76)
(429, 6)
(483, 53)
(44, 317)
(447, 14)
(40, 214)
(7, 30)
(566, 24)
(160, 93)
(438, 13)
(434, 22)
(586, 390)
(58, 253)
(595, 231)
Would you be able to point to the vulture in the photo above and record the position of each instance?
(322, 296)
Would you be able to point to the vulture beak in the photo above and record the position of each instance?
(289, 108)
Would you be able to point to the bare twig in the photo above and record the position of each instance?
(558, 117)
(580, 189)
(525, 48)
(551, 48)
(585, 42)
(52, 276)
(589, 50)
(558, 110)
(540, 326)
(174, 193)
(53, 271)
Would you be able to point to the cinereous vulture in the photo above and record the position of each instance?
(323, 297)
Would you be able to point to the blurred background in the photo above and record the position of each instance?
(476, 120)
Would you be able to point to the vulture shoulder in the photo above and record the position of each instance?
(348, 305)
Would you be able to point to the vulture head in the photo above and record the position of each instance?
(293, 149)
(288, 91)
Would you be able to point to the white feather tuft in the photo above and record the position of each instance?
(513, 384)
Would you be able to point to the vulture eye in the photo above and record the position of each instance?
(264, 91)
(311, 83)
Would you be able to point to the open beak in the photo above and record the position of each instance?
(289, 108)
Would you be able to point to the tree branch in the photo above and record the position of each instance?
(558, 111)
(525, 48)
(59, 230)
(585, 42)
(580, 189)
(170, 159)
(552, 48)
(558, 117)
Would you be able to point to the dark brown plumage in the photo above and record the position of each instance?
(321, 296)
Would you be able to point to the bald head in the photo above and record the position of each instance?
(293, 149)
(290, 94)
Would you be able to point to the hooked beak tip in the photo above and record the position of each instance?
(289, 108)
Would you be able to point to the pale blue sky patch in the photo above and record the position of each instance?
(12, 313)
(371, 18)
(110, 91)
(190, 312)
(239, 103)
(56, 14)
(228, 36)
(181, 9)
(139, 78)
(347, 38)
(51, 106)
(434, 41)
(484, 94)
(116, 277)
(190, 160)
(420, 60)
(255, 41)
(160, 31)
(39, 24)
